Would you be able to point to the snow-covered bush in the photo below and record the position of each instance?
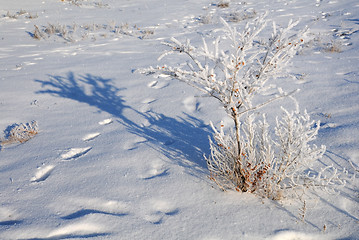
(237, 70)
(269, 166)
(86, 3)
(76, 32)
(21, 133)
(19, 14)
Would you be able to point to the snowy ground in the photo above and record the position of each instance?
(119, 154)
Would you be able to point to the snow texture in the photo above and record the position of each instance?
(119, 155)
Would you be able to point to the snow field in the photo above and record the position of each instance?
(119, 155)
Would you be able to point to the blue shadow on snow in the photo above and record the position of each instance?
(183, 140)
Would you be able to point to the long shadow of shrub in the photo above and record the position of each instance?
(183, 140)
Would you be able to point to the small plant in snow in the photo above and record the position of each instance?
(53, 29)
(223, 4)
(20, 133)
(72, 33)
(236, 70)
(238, 16)
(19, 14)
(302, 211)
(333, 47)
(74, 2)
(80, 3)
(37, 34)
(206, 19)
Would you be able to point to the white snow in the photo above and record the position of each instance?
(91, 136)
(119, 155)
(75, 153)
(105, 122)
(42, 173)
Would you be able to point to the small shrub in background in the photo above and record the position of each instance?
(52, 29)
(74, 2)
(73, 33)
(223, 4)
(80, 3)
(237, 70)
(20, 13)
(238, 16)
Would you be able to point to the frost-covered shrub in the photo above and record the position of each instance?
(269, 166)
(75, 32)
(223, 4)
(52, 29)
(20, 133)
(85, 3)
(237, 70)
(238, 16)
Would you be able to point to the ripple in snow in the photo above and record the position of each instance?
(90, 136)
(75, 153)
(105, 122)
(42, 173)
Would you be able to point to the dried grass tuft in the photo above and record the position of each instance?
(223, 4)
(20, 133)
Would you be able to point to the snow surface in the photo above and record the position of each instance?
(119, 155)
